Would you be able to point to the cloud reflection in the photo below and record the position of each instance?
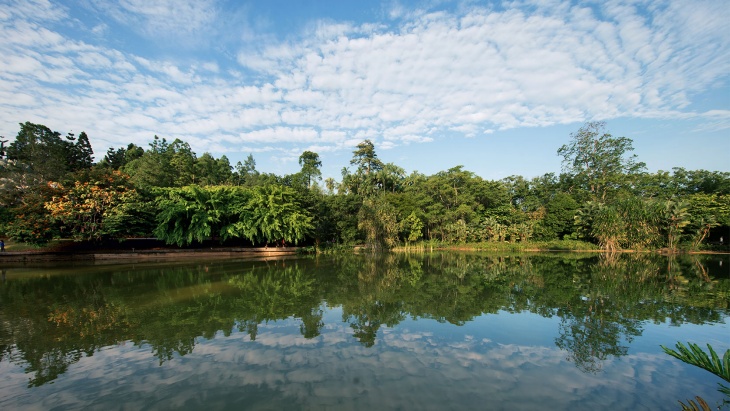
(406, 369)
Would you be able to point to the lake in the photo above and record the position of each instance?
(435, 331)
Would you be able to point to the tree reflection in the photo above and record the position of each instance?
(590, 340)
(312, 323)
(50, 321)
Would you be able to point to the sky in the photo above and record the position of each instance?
(495, 86)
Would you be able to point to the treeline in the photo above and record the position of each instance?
(51, 188)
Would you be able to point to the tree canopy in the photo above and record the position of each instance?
(50, 188)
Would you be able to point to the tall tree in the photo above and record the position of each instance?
(365, 158)
(598, 161)
(365, 179)
(152, 169)
(182, 161)
(246, 171)
(310, 166)
(118, 158)
(81, 154)
(43, 150)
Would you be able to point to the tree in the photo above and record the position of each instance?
(310, 166)
(83, 209)
(597, 161)
(602, 222)
(84, 153)
(676, 217)
(390, 177)
(209, 171)
(246, 171)
(330, 183)
(706, 212)
(365, 179)
(377, 219)
(114, 158)
(273, 214)
(31, 222)
(559, 213)
(2, 146)
(118, 158)
(224, 171)
(411, 228)
(182, 161)
(43, 150)
(365, 158)
(80, 154)
(339, 223)
(153, 168)
(193, 213)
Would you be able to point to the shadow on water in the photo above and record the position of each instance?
(51, 318)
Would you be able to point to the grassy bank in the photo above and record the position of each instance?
(70, 246)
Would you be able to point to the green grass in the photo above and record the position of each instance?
(556, 245)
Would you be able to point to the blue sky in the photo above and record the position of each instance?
(494, 86)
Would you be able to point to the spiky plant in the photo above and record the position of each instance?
(694, 355)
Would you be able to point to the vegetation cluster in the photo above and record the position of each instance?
(50, 187)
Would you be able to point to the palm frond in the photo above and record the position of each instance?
(693, 354)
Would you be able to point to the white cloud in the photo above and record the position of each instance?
(405, 369)
(428, 74)
(162, 18)
(281, 135)
(35, 10)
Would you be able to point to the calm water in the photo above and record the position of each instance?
(435, 331)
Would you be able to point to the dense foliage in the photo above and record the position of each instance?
(50, 187)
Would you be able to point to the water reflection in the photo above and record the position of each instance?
(52, 318)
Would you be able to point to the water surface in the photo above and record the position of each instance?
(435, 331)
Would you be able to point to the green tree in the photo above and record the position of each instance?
(194, 214)
(339, 224)
(118, 158)
(364, 181)
(246, 172)
(44, 152)
(377, 219)
(80, 154)
(676, 218)
(211, 171)
(182, 161)
(390, 178)
(30, 222)
(330, 184)
(83, 209)
(310, 166)
(365, 159)
(114, 158)
(559, 213)
(411, 228)
(598, 162)
(153, 168)
(273, 214)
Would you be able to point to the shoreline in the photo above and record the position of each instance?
(144, 255)
(170, 254)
